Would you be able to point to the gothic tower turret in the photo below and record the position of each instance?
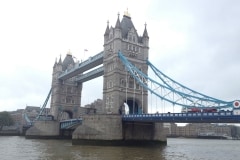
(106, 34)
(66, 95)
(118, 85)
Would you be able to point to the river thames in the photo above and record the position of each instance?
(19, 148)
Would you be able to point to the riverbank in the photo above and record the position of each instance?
(10, 131)
(205, 137)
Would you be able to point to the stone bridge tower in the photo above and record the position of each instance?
(118, 85)
(66, 95)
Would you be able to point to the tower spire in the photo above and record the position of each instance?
(55, 64)
(60, 60)
(107, 29)
(126, 13)
(118, 25)
(145, 33)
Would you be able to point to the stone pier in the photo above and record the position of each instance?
(43, 129)
(110, 130)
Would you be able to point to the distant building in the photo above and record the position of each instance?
(91, 108)
(196, 129)
(17, 116)
(32, 112)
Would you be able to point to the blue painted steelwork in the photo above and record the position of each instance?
(193, 96)
(217, 117)
(171, 91)
(70, 123)
(44, 105)
(29, 122)
(90, 75)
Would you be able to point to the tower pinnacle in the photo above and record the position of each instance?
(69, 52)
(118, 25)
(145, 33)
(126, 13)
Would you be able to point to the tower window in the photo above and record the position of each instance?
(69, 89)
(134, 39)
(68, 99)
(131, 84)
(129, 47)
(123, 83)
(110, 36)
(130, 38)
(109, 84)
(137, 86)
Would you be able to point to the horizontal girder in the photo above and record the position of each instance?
(90, 75)
(83, 66)
(217, 117)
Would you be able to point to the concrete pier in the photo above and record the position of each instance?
(43, 129)
(109, 130)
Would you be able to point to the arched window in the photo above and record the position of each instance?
(123, 82)
(130, 38)
(131, 83)
(69, 89)
(68, 99)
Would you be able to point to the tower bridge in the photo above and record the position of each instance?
(124, 65)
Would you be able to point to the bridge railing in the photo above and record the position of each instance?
(66, 124)
(217, 117)
(180, 114)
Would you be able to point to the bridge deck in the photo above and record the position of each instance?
(217, 117)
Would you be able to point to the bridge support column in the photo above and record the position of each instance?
(43, 129)
(144, 133)
(110, 130)
(98, 130)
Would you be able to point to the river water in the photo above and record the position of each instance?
(19, 148)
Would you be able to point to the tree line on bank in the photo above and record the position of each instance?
(5, 119)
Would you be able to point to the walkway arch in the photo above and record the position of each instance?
(65, 114)
(133, 106)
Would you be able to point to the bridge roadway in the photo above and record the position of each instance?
(216, 117)
(84, 66)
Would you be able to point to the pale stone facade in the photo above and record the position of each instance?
(66, 94)
(196, 129)
(118, 85)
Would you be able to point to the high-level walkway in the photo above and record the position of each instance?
(88, 64)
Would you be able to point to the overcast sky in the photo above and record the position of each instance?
(195, 42)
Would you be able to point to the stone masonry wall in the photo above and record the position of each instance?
(43, 129)
(99, 127)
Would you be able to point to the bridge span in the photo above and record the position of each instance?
(125, 64)
(218, 117)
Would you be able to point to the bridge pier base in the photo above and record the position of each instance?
(98, 130)
(111, 131)
(43, 129)
(144, 133)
